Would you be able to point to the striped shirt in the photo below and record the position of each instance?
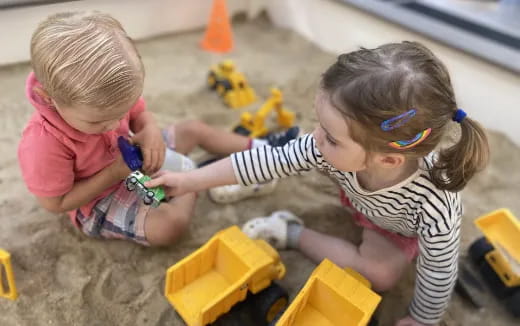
(412, 208)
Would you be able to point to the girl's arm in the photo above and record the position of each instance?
(86, 190)
(253, 166)
(266, 163)
(436, 268)
(216, 174)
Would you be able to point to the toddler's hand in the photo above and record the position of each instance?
(174, 183)
(152, 146)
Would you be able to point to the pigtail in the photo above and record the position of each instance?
(457, 164)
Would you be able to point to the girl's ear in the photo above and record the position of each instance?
(43, 95)
(391, 160)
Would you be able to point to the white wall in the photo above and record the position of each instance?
(487, 92)
(141, 19)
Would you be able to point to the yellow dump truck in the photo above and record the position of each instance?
(228, 268)
(497, 256)
(253, 124)
(231, 85)
(7, 285)
(331, 297)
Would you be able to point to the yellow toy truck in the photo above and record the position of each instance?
(332, 296)
(231, 85)
(253, 125)
(497, 256)
(7, 285)
(228, 268)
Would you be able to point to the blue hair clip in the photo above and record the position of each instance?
(398, 121)
(459, 116)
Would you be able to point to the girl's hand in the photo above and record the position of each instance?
(152, 146)
(409, 321)
(175, 184)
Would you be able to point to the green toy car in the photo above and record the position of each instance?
(151, 196)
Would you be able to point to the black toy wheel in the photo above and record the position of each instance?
(148, 198)
(495, 284)
(130, 183)
(513, 303)
(270, 303)
(223, 86)
(241, 131)
(479, 249)
(276, 319)
(212, 80)
(229, 319)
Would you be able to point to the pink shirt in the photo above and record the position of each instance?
(53, 155)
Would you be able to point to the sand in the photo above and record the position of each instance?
(65, 278)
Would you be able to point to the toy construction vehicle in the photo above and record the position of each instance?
(150, 196)
(332, 296)
(135, 181)
(231, 85)
(7, 285)
(253, 125)
(497, 256)
(228, 268)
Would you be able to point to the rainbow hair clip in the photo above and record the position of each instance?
(405, 144)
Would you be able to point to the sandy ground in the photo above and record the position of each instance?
(65, 278)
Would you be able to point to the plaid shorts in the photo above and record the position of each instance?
(120, 215)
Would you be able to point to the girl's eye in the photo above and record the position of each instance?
(330, 141)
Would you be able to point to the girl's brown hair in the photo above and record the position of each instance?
(370, 86)
(86, 58)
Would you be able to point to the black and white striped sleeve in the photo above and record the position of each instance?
(266, 163)
(437, 263)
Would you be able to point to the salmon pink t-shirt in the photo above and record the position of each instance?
(53, 155)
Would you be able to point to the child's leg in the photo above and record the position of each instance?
(166, 223)
(190, 134)
(123, 215)
(377, 258)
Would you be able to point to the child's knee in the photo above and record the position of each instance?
(190, 128)
(384, 276)
(174, 222)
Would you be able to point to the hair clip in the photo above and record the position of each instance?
(398, 121)
(405, 144)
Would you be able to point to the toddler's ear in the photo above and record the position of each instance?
(43, 95)
(392, 160)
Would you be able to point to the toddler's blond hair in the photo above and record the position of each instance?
(86, 59)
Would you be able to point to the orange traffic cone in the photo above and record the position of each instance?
(218, 37)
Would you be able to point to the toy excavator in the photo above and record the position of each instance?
(253, 125)
(231, 85)
(7, 285)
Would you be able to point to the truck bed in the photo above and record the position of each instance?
(207, 283)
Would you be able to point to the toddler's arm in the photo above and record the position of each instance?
(86, 190)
